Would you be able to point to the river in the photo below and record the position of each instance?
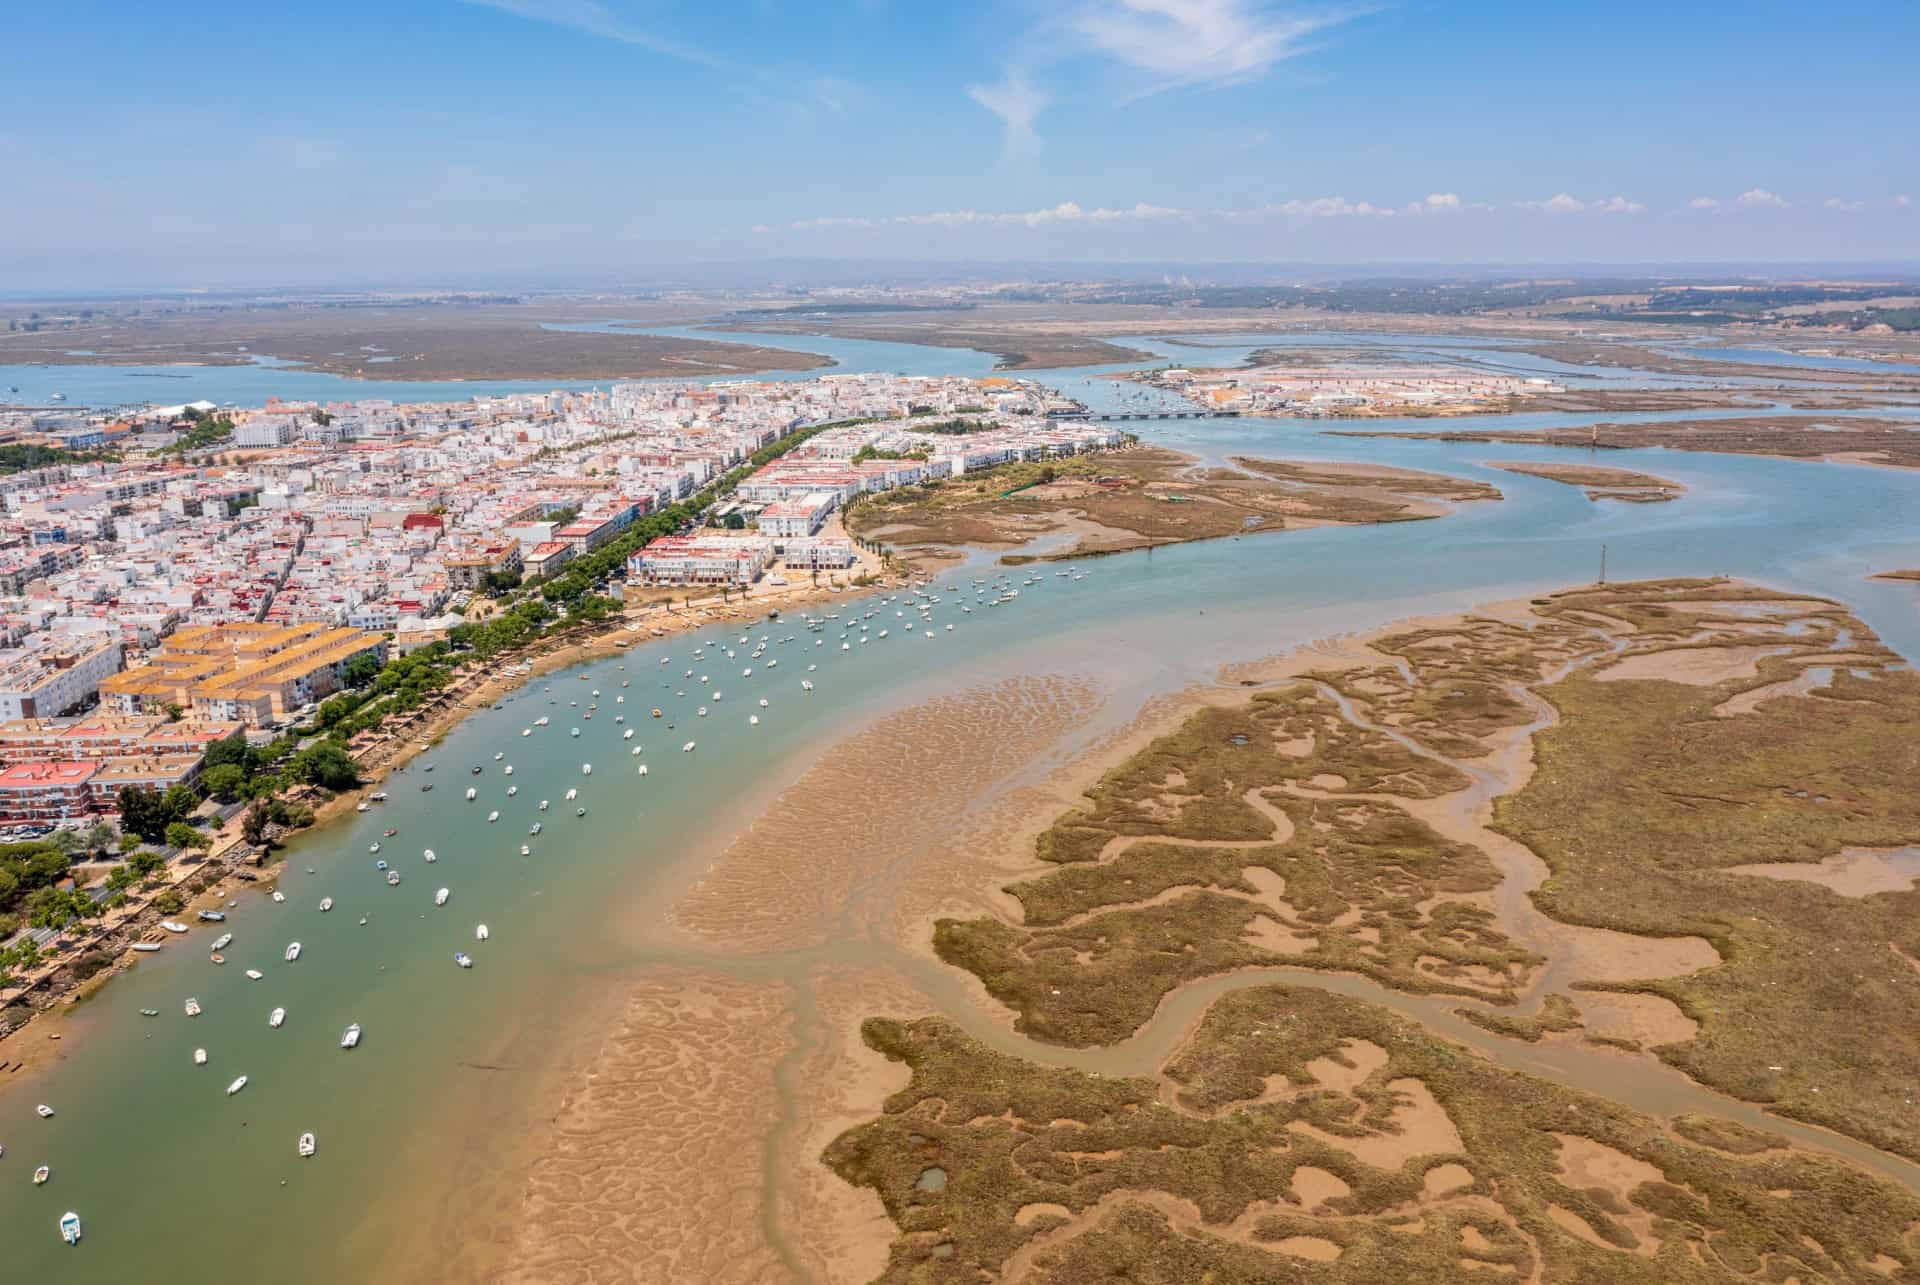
(179, 1182)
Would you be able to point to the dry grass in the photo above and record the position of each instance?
(1194, 1176)
(1601, 483)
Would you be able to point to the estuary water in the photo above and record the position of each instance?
(177, 1181)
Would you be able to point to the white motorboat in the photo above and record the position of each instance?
(362, 806)
(223, 941)
(193, 1007)
(145, 947)
(572, 793)
(393, 878)
(573, 731)
(508, 770)
(326, 904)
(512, 790)
(492, 817)
(293, 951)
(472, 794)
(643, 769)
(806, 684)
(440, 897)
(350, 1037)
(44, 1111)
(586, 769)
(278, 896)
(70, 1227)
(526, 731)
(199, 1057)
(373, 847)
(702, 711)
(41, 1175)
(753, 720)
(635, 751)
(306, 1146)
(542, 721)
(535, 828)
(763, 702)
(543, 805)
(464, 960)
(687, 748)
(480, 932)
(277, 1018)
(627, 735)
(428, 856)
(238, 1084)
(254, 974)
(173, 926)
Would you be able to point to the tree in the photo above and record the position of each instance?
(144, 812)
(326, 765)
(253, 827)
(147, 863)
(182, 835)
(174, 712)
(98, 836)
(129, 841)
(170, 902)
(361, 670)
(225, 782)
(232, 749)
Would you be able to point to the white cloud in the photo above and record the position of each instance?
(1437, 203)
(1193, 42)
(761, 229)
(1017, 103)
(1703, 203)
(595, 19)
(1065, 212)
(1759, 197)
(1566, 203)
(1844, 207)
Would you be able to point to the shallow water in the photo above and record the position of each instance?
(448, 1075)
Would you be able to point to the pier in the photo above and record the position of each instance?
(1109, 417)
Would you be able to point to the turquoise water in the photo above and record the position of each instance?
(155, 1157)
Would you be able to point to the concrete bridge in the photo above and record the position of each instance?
(1110, 417)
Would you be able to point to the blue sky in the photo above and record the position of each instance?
(221, 142)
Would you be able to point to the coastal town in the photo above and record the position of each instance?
(190, 587)
(1349, 390)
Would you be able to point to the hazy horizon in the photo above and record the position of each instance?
(478, 139)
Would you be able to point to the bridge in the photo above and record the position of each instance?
(1110, 417)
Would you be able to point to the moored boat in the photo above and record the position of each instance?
(277, 1018)
(239, 1083)
(350, 1037)
(223, 941)
(480, 932)
(70, 1227)
(192, 1006)
(306, 1144)
(293, 951)
(440, 897)
(41, 1175)
(464, 960)
(199, 1057)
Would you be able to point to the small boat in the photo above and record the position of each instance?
(687, 748)
(380, 865)
(635, 751)
(656, 711)
(428, 856)
(643, 769)
(543, 805)
(238, 1084)
(464, 960)
(70, 1227)
(373, 847)
(627, 735)
(379, 796)
(306, 1144)
(508, 770)
(572, 794)
(763, 702)
(193, 1007)
(753, 720)
(806, 684)
(498, 755)
(526, 731)
(173, 926)
(480, 932)
(586, 769)
(702, 711)
(276, 1018)
(525, 851)
(149, 1012)
(363, 921)
(476, 769)
(573, 731)
(212, 916)
(145, 947)
(425, 788)
(199, 1057)
(390, 831)
(535, 830)
(293, 951)
(217, 958)
(579, 812)
(41, 1175)
(493, 816)
(512, 790)
(350, 1037)
(44, 1111)
(326, 904)
(472, 794)
(223, 941)
(393, 878)
(440, 897)
(254, 974)
(279, 896)
(542, 721)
